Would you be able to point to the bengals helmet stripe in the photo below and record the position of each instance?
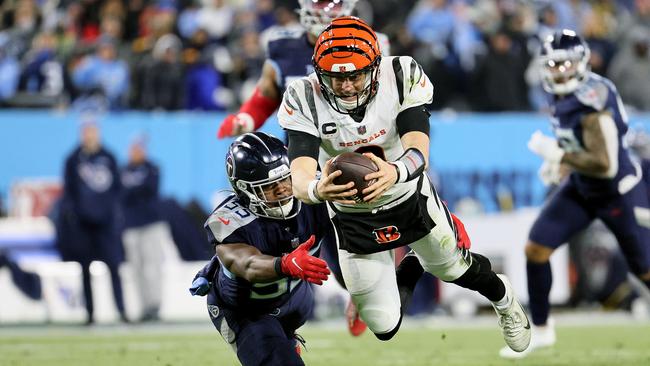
(346, 39)
(347, 47)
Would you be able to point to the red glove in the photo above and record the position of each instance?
(235, 125)
(300, 264)
(462, 239)
(251, 116)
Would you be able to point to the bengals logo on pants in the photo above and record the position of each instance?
(386, 234)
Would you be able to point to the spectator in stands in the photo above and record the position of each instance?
(203, 82)
(87, 228)
(146, 237)
(216, 17)
(103, 73)
(9, 71)
(498, 80)
(42, 75)
(630, 70)
(159, 80)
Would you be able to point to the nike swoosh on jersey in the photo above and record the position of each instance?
(225, 221)
(424, 82)
(293, 260)
(289, 110)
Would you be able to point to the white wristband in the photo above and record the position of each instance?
(311, 192)
(401, 171)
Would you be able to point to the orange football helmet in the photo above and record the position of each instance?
(347, 50)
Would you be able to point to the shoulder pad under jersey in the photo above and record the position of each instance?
(593, 93)
(229, 216)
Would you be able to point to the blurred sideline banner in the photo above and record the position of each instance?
(480, 155)
(500, 236)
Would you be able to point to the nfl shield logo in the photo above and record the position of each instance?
(295, 242)
(361, 130)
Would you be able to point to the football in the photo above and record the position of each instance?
(354, 167)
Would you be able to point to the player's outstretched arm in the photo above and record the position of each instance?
(256, 110)
(248, 262)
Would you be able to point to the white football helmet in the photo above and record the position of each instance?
(315, 15)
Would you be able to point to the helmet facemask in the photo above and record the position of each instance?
(346, 61)
(331, 84)
(564, 70)
(257, 166)
(262, 201)
(315, 15)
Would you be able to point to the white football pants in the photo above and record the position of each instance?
(370, 278)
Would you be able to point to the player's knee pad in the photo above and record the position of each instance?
(390, 334)
(477, 275)
(381, 320)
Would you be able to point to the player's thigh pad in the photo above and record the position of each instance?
(370, 279)
(437, 251)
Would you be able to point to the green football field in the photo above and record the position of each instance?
(170, 345)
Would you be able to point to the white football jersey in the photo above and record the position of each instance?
(402, 85)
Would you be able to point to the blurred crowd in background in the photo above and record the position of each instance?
(207, 54)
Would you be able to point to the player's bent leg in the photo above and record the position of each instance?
(257, 341)
(513, 320)
(371, 282)
(440, 257)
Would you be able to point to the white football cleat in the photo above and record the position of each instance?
(542, 336)
(513, 320)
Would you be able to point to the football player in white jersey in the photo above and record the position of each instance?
(358, 101)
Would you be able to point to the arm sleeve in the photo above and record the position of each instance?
(413, 119)
(302, 144)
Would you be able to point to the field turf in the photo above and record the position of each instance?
(171, 345)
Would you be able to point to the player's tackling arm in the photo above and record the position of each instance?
(595, 158)
(247, 262)
(257, 109)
